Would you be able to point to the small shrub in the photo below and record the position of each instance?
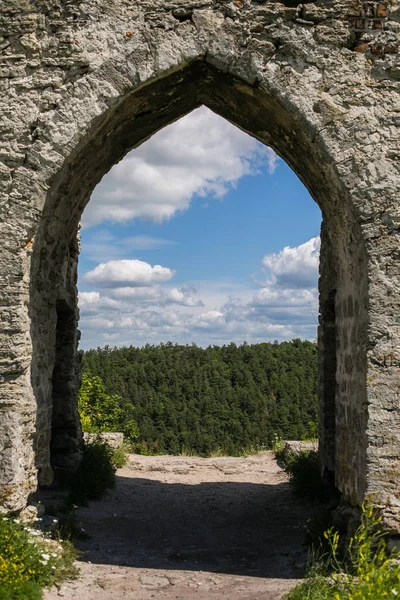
(278, 448)
(29, 561)
(95, 474)
(215, 453)
(303, 469)
(120, 456)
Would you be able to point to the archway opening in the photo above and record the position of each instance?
(131, 121)
(200, 237)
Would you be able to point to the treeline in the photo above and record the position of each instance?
(172, 398)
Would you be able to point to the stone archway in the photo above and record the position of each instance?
(87, 83)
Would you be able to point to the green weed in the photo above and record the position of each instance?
(364, 571)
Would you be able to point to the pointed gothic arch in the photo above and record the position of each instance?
(112, 79)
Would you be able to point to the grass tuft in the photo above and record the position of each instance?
(315, 588)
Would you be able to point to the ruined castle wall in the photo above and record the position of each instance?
(81, 83)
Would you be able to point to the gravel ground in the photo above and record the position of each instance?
(191, 528)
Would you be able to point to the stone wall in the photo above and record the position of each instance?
(83, 82)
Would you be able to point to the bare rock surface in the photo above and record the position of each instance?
(188, 527)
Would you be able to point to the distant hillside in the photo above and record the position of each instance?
(199, 400)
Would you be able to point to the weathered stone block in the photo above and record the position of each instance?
(113, 439)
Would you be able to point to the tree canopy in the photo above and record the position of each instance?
(218, 399)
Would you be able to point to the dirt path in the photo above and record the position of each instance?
(192, 528)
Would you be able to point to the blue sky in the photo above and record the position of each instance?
(200, 235)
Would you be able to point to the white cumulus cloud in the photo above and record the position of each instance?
(92, 302)
(283, 298)
(156, 294)
(135, 303)
(295, 267)
(128, 272)
(201, 154)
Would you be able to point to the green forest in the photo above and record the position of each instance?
(172, 398)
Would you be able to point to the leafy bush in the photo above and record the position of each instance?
(304, 472)
(363, 572)
(29, 561)
(278, 447)
(101, 412)
(119, 456)
(312, 431)
(95, 474)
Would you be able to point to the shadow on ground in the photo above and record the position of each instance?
(223, 527)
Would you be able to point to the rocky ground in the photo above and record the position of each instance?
(191, 528)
